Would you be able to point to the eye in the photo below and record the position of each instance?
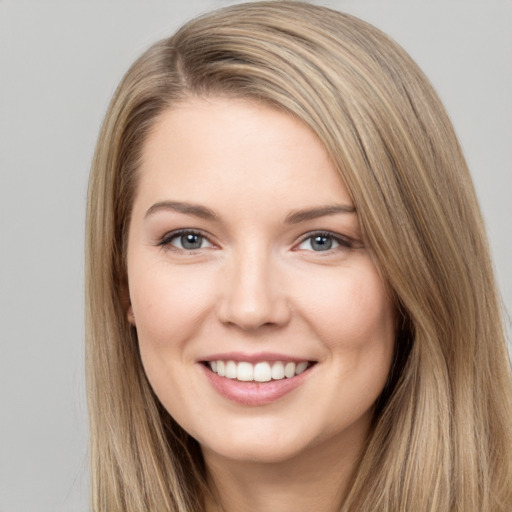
(186, 240)
(320, 242)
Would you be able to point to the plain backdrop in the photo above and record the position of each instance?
(59, 64)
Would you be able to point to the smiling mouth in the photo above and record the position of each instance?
(263, 371)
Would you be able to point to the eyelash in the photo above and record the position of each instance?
(343, 242)
(168, 238)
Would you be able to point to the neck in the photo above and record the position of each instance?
(314, 480)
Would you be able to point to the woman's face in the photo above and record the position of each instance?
(264, 327)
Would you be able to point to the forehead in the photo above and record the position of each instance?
(236, 148)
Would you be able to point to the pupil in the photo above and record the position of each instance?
(321, 243)
(191, 241)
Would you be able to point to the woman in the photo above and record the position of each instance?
(290, 301)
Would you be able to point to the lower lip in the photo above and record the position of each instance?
(254, 393)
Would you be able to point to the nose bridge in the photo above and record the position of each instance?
(252, 296)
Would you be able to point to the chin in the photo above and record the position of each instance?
(262, 446)
(253, 454)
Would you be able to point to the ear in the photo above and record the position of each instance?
(127, 304)
(130, 316)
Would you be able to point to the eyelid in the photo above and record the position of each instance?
(344, 241)
(167, 238)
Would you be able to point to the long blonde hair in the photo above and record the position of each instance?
(441, 439)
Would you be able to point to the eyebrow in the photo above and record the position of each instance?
(298, 216)
(187, 208)
(295, 217)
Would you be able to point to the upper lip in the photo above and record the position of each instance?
(254, 358)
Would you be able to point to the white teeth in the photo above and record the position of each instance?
(289, 370)
(301, 367)
(259, 372)
(231, 370)
(278, 371)
(245, 371)
(262, 372)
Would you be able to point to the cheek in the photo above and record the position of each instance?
(168, 304)
(354, 317)
(352, 312)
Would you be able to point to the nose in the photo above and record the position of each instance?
(253, 295)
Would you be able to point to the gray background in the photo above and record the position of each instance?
(59, 64)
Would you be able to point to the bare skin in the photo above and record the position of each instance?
(312, 481)
(245, 249)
